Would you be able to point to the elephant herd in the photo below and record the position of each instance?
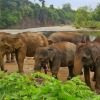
(60, 49)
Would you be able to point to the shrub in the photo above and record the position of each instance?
(27, 87)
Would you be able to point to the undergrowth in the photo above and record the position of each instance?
(26, 87)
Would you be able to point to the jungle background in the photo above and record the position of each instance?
(26, 14)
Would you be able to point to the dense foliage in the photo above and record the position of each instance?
(17, 87)
(25, 14)
(15, 11)
(86, 17)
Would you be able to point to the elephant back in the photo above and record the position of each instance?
(3, 34)
(33, 37)
(69, 37)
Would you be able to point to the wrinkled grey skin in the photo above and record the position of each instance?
(22, 44)
(68, 36)
(88, 56)
(58, 55)
(9, 56)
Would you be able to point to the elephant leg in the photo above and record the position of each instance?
(97, 85)
(44, 67)
(20, 60)
(94, 77)
(70, 72)
(8, 60)
(12, 57)
(54, 67)
(2, 66)
(87, 76)
(54, 71)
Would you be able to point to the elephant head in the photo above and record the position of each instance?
(86, 55)
(8, 44)
(42, 57)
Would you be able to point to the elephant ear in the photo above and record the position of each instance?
(17, 43)
(51, 54)
(79, 46)
(95, 53)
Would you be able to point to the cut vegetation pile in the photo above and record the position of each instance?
(26, 87)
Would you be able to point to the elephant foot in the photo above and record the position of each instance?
(55, 76)
(68, 78)
(8, 61)
(12, 60)
(97, 91)
(93, 79)
(22, 72)
(5, 70)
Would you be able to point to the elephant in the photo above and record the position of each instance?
(97, 39)
(87, 56)
(58, 55)
(22, 44)
(68, 36)
(9, 56)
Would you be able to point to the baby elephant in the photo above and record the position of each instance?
(57, 55)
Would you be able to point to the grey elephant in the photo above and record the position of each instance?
(9, 56)
(58, 55)
(22, 44)
(87, 56)
(68, 36)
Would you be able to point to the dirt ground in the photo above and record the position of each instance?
(29, 65)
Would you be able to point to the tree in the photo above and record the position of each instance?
(51, 6)
(16, 12)
(43, 2)
(67, 7)
(97, 13)
(81, 16)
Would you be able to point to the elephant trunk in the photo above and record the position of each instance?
(37, 66)
(77, 65)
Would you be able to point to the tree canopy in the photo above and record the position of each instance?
(87, 17)
(25, 14)
(16, 11)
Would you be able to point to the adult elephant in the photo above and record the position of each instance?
(68, 36)
(9, 56)
(97, 39)
(58, 55)
(88, 56)
(22, 44)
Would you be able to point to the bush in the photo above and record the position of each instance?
(17, 87)
(89, 24)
